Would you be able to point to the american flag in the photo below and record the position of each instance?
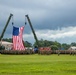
(17, 38)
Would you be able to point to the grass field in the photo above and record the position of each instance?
(37, 65)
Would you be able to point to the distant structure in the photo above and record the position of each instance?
(72, 48)
(7, 45)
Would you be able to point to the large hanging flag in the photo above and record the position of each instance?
(17, 38)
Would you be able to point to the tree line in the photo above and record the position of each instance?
(46, 43)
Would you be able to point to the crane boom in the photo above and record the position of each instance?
(32, 30)
(2, 34)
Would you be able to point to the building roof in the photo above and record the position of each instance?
(73, 47)
(4, 42)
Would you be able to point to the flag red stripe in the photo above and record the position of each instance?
(17, 40)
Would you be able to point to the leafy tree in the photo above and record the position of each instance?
(54, 47)
(44, 43)
(73, 44)
(27, 44)
(65, 46)
(47, 43)
(57, 44)
(7, 39)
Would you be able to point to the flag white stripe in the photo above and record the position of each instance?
(17, 40)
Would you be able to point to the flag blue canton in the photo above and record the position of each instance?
(15, 31)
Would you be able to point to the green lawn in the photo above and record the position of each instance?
(37, 65)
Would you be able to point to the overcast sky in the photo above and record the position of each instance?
(53, 20)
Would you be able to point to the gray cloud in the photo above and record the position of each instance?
(44, 14)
